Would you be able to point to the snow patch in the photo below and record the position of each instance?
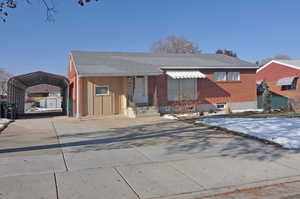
(284, 131)
(169, 117)
(247, 110)
(4, 122)
(46, 109)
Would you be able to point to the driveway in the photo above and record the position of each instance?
(144, 158)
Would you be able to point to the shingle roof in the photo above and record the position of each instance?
(295, 63)
(119, 63)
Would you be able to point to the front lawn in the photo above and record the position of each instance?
(282, 130)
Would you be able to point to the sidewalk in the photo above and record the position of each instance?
(149, 159)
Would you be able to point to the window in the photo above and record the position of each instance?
(220, 106)
(229, 76)
(292, 86)
(233, 76)
(102, 90)
(220, 76)
(182, 89)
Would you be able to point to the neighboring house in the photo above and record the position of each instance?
(282, 77)
(106, 83)
(43, 96)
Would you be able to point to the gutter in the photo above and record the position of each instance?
(207, 68)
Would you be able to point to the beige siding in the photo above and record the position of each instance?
(112, 104)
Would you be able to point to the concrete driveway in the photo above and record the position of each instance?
(144, 158)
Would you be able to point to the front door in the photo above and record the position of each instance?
(140, 90)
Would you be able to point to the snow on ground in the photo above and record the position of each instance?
(284, 131)
(4, 122)
(173, 117)
(247, 110)
(170, 117)
(47, 109)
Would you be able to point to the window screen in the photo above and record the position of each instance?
(220, 76)
(173, 89)
(233, 76)
(188, 89)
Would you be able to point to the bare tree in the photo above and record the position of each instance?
(4, 76)
(226, 52)
(175, 44)
(6, 5)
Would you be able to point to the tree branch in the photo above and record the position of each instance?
(6, 5)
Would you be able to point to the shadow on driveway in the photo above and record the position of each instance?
(175, 137)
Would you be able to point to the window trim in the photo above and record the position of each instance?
(108, 90)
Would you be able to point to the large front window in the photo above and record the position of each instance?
(182, 89)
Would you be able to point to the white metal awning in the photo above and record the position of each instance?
(185, 74)
(285, 81)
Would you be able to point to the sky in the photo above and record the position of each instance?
(254, 29)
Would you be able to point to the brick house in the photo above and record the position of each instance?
(106, 83)
(282, 78)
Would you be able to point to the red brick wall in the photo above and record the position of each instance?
(210, 91)
(273, 72)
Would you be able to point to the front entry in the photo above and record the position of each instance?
(141, 90)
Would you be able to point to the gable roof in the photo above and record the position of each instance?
(289, 63)
(89, 63)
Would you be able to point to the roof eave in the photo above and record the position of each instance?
(118, 74)
(209, 67)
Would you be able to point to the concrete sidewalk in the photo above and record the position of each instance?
(144, 158)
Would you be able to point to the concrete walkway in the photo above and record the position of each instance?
(144, 158)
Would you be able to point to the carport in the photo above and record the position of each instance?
(17, 86)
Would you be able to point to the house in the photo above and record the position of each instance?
(110, 83)
(282, 78)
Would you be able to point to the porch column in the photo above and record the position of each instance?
(78, 97)
(124, 96)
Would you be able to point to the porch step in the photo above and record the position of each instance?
(147, 111)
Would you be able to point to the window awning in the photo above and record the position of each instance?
(285, 81)
(185, 74)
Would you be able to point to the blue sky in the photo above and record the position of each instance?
(255, 29)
